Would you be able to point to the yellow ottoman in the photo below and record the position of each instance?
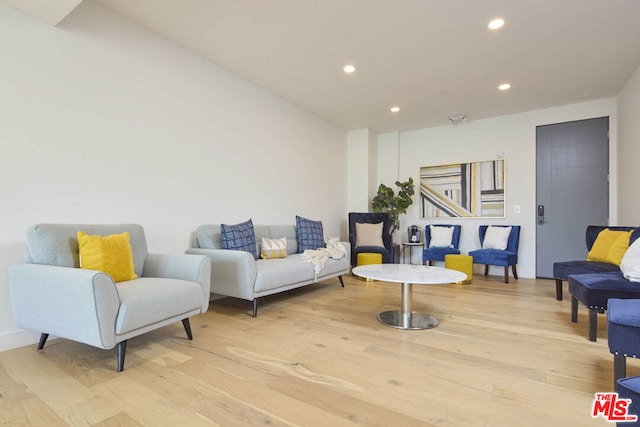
(366, 258)
(462, 263)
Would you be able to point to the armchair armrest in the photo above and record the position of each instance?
(193, 268)
(74, 303)
(233, 273)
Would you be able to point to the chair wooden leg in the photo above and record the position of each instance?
(486, 269)
(341, 281)
(574, 309)
(506, 275)
(559, 289)
(122, 348)
(43, 339)
(255, 307)
(187, 328)
(514, 271)
(619, 367)
(593, 324)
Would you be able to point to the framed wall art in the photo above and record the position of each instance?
(463, 190)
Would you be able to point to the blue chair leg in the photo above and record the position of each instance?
(593, 324)
(559, 289)
(619, 367)
(574, 309)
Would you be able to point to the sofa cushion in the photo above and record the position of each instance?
(494, 257)
(594, 290)
(334, 266)
(170, 298)
(239, 237)
(609, 246)
(562, 270)
(309, 233)
(276, 273)
(110, 254)
(623, 324)
(208, 237)
(57, 244)
(287, 231)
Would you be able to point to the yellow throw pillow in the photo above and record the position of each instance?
(610, 246)
(274, 248)
(110, 254)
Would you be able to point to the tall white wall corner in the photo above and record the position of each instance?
(387, 167)
(362, 158)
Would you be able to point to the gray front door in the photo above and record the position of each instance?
(572, 189)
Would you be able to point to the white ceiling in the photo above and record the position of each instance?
(433, 58)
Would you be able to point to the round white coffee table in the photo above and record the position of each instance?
(408, 275)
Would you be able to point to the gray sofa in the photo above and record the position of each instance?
(238, 274)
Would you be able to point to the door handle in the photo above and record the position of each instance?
(540, 214)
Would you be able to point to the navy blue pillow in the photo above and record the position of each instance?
(239, 237)
(309, 234)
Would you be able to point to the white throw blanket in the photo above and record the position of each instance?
(318, 257)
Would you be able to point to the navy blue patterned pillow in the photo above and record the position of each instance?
(309, 234)
(240, 237)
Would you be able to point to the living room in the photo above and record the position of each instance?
(105, 121)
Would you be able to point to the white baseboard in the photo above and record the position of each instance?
(18, 338)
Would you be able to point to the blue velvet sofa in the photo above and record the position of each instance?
(562, 270)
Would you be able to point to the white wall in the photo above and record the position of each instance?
(361, 178)
(387, 164)
(513, 137)
(103, 121)
(629, 136)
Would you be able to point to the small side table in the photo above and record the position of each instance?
(410, 245)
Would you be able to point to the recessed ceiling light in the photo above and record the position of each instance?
(504, 86)
(349, 69)
(496, 24)
(395, 109)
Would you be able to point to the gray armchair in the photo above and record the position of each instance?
(52, 295)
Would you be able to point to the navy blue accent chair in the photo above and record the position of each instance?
(371, 218)
(504, 258)
(623, 333)
(594, 290)
(562, 270)
(437, 254)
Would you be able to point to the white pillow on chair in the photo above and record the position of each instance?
(496, 238)
(369, 234)
(441, 237)
(630, 265)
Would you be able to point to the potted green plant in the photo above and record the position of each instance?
(387, 201)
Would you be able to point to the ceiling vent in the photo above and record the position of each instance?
(457, 118)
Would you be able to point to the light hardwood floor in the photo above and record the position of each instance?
(503, 355)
